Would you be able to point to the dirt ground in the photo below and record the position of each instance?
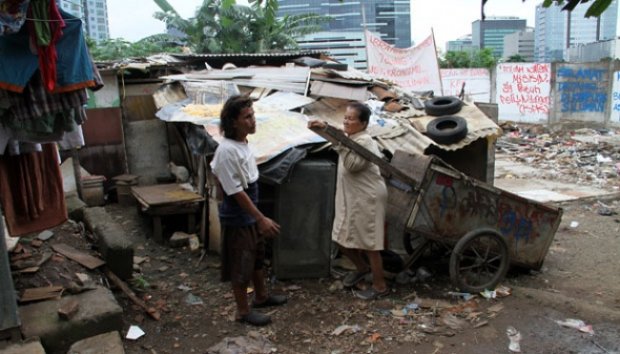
(579, 279)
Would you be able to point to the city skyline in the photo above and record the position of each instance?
(426, 14)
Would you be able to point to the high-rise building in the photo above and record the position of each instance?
(463, 44)
(558, 30)
(490, 33)
(94, 14)
(390, 19)
(520, 43)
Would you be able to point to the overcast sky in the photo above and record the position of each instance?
(450, 19)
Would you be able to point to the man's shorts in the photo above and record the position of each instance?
(243, 253)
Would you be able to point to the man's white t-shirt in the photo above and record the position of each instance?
(234, 165)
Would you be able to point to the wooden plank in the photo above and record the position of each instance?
(82, 258)
(164, 194)
(132, 296)
(35, 294)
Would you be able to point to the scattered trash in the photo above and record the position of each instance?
(346, 329)
(194, 243)
(134, 332)
(292, 288)
(453, 322)
(184, 287)
(515, 338)
(464, 296)
(335, 286)
(576, 324)
(488, 294)
(503, 291)
(45, 235)
(192, 299)
(374, 338)
(603, 159)
(254, 343)
(604, 209)
(574, 224)
(422, 274)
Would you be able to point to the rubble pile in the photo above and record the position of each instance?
(583, 156)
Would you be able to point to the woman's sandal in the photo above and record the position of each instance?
(371, 293)
(353, 278)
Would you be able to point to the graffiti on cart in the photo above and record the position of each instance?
(480, 205)
(522, 226)
(448, 194)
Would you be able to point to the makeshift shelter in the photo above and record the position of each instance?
(286, 98)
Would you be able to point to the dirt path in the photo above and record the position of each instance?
(579, 280)
(580, 272)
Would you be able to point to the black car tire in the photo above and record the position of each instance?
(442, 106)
(447, 130)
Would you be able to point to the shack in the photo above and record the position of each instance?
(297, 170)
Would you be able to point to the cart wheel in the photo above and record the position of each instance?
(479, 261)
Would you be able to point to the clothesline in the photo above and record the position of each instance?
(65, 20)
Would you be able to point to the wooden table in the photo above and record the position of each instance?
(167, 199)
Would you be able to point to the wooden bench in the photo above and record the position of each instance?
(167, 199)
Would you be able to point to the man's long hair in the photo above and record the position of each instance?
(230, 112)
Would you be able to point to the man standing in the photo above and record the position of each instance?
(243, 225)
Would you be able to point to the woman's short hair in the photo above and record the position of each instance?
(363, 112)
(230, 112)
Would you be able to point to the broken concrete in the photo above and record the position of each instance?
(28, 347)
(115, 248)
(99, 313)
(106, 343)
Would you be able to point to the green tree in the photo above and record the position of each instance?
(482, 58)
(223, 26)
(456, 59)
(596, 8)
(516, 58)
(118, 48)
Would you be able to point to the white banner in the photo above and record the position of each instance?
(413, 68)
(477, 83)
(523, 92)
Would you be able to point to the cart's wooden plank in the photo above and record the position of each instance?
(164, 194)
(337, 136)
(82, 258)
(35, 294)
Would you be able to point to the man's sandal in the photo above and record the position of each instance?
(255, 319)
(272, 300)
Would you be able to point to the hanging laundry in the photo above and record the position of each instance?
(74, 69)
(12, 15)
(31, 191)
(45, 31)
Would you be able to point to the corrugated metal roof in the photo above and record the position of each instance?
(293, 79)
(232, 55)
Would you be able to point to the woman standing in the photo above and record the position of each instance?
(361, 199)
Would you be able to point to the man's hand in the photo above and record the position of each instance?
(268, 227)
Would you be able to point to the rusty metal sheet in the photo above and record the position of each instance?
(103, 127)
(137, 108)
